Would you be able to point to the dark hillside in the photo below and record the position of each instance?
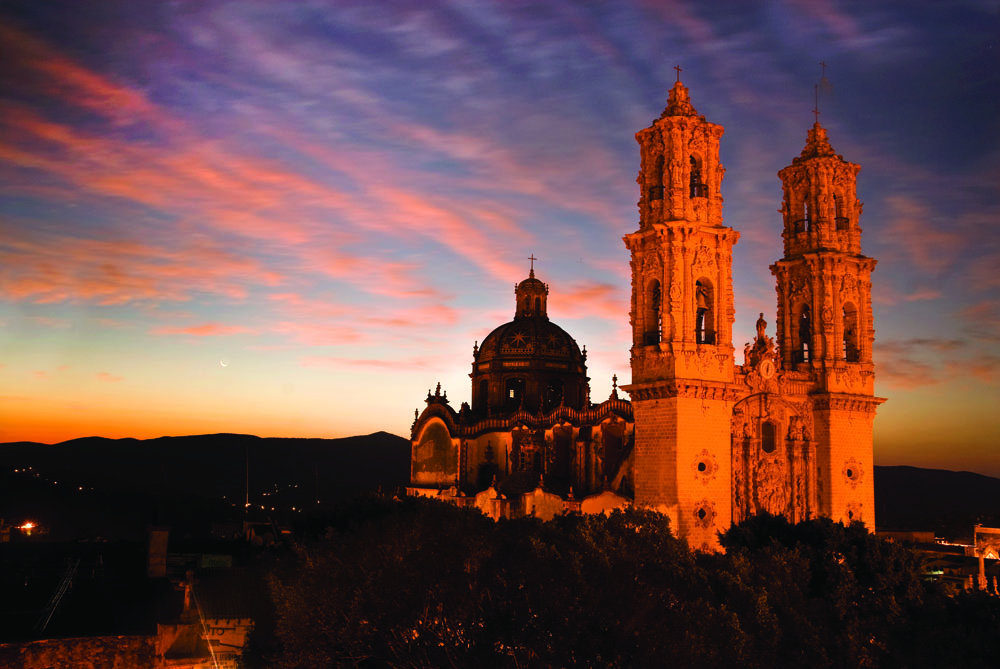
(935, 499)
(170, 479)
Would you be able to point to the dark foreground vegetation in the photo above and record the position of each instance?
(418, 583)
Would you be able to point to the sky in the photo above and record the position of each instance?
(293, 218)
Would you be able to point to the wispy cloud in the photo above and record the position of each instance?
(202, 330)
(108, 377)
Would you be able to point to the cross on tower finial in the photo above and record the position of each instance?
(679, 70)
(816, 108)
(532, 258)
(823, 65)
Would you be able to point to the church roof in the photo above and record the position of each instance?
(529, 337)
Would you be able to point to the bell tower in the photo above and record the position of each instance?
(825, 327)
(682, 316)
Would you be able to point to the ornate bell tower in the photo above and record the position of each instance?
(825, 327)
(682, 316)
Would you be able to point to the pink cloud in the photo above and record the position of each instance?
(983, 319)
(56, 74)
(930, 247)
(585, 299)
(203, 330)
(110, 378)
(370, 363)
(319, 334)
(49, 322)
(917, 363)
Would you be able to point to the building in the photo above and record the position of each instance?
(709, 442)
(531, 441)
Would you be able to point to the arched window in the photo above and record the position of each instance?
(654, 302)
(656, 190)
(852, 352)
(805, 335)
(613, 436)
(704, 312)
(698, 189)
(538, 306)
(799, 212)
(514, 394)
(484, 394)
(562, 443)
(839, 213)
(553, 393)
(767, 437)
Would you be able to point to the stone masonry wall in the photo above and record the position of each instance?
(112, 652)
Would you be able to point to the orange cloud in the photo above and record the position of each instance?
(110, 378)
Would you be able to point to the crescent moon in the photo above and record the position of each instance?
(223, 363)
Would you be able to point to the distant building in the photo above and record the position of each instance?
(704, 440)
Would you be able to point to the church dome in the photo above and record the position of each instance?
(529, 363)
(529, 337)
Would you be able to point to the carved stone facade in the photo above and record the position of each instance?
(790, 430)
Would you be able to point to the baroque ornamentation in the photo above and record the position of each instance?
(705, 466)
(853, 472)
(704, 513)
(771, 492)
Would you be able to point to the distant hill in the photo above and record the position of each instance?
(223, 468)
(948, 502)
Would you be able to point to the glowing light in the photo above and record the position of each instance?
(28, 525)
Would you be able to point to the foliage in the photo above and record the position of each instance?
(417, 583)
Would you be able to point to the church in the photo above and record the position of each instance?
(702, 439)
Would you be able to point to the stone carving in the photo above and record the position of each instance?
(704, 258)
(853, 472)
(705, 466)
(797, 430)
(704, 513)
(771, 491)
(675, 292)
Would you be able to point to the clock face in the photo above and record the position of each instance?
(766, 369)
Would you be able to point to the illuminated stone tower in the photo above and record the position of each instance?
(825, 328)
(681, 315)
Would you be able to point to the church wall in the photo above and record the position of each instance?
(604, 502)
(476, 456)
(674, 436)
(656, 455)
(846, 477)
(435, 455)
(704, 470)
(541, 504)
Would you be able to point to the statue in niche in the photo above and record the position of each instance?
(795, 429)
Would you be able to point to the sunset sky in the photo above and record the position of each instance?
(293, 218)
